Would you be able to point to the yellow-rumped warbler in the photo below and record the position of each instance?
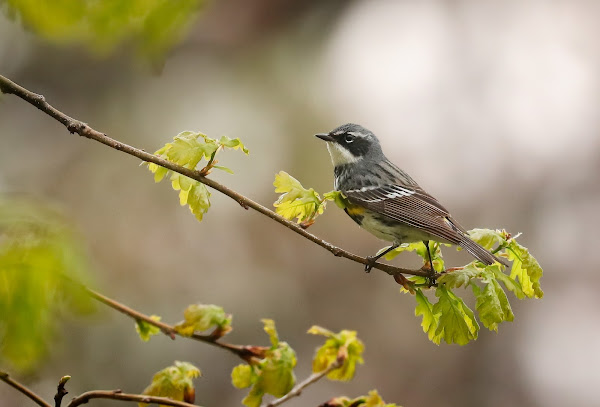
(386, 201)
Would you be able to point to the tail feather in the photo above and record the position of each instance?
(480, 253)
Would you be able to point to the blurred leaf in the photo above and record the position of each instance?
(296, 201)
(457, 322)
(151, 26)
(39, 254)
(344, 342)
(175, 382)
(372, 400)
(274, 374)
(200, 317)
(146, 330)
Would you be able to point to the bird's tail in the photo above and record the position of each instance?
(479, 252)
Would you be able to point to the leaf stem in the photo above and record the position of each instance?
(75, 126)
(5, 377)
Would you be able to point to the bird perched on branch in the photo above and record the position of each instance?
(386, 201)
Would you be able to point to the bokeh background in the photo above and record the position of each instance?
(491, 105)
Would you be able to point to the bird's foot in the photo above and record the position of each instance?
(371, 260)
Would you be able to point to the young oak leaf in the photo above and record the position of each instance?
(488, 238)
(175, 382)
(337, 197)
(192, 193)
(146, 330)
(492, 304)
(296, 201)
(461, 277)
(274, 374)
(421, 250)
(457, 323)
(201, 317)
(234, 144)
(345, 344)
(430, 320)
(373, 399)
(526, 269)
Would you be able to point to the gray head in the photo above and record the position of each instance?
(351, 143)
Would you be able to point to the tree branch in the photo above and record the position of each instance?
(117, 395)
(247, 353)
(5, 377)
(76, 126)
(297, 390)
(61, 391)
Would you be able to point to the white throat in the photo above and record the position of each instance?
(339, 155)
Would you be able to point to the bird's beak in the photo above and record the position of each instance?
(324, 136)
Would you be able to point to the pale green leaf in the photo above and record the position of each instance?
(220, 167)
(296, 201)
(345, 341)
(526, 269)
(337, 197)
(269, 327)
(243, 376)
(457, 323)
(488, 238)
(462, 277)
(492, 305)
(233, 143)
(430, 320)
(175, 382)
(146, 330)
(201, 317)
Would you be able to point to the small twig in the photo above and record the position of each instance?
(75, 126)
(297, 390)
(61, 391)
(246, 352)
(117, 395)
(5, 377)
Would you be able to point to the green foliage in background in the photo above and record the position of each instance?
(274, 374)
(175, 382)
(188, 149)
(39, 255)
(449, 318)
(152, 27)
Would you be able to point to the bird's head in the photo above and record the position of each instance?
(351, 143)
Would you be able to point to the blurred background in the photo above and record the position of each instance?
(492, 106)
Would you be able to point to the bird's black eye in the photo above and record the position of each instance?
(349, 138)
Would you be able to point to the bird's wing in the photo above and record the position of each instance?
(410, 205)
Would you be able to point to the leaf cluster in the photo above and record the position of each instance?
(344, 346)
(274, 374)
(373, 399)
(175, 382)
(297, 202)
(188, 150)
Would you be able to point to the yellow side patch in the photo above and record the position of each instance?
(355, 210)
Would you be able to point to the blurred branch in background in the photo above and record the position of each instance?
(76, 126)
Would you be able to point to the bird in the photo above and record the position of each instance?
(387, 202)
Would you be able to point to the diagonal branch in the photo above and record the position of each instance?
(75, 126)
(246, 352)
(117, 395)
(5, 377)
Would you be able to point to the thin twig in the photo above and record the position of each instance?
(76, 126)
(246, 352)
(297, 390)
(61, 391)
(117, 395)
(5, 377)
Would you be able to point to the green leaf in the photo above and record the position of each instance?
(233, 144)
(372, 400)
(42, 260)
(296, 201)
(488, 238)
(421, 250)
(462, 277)
(274, 374)
(492, 305)
(457, 322)
(243, 376)
(175, 382)
(510, 283)
(192, 193)
(146, 330)
(344, 342)
(201, 317)
(220, 167)
(526, 269)
(337, 197)
(430, 320)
